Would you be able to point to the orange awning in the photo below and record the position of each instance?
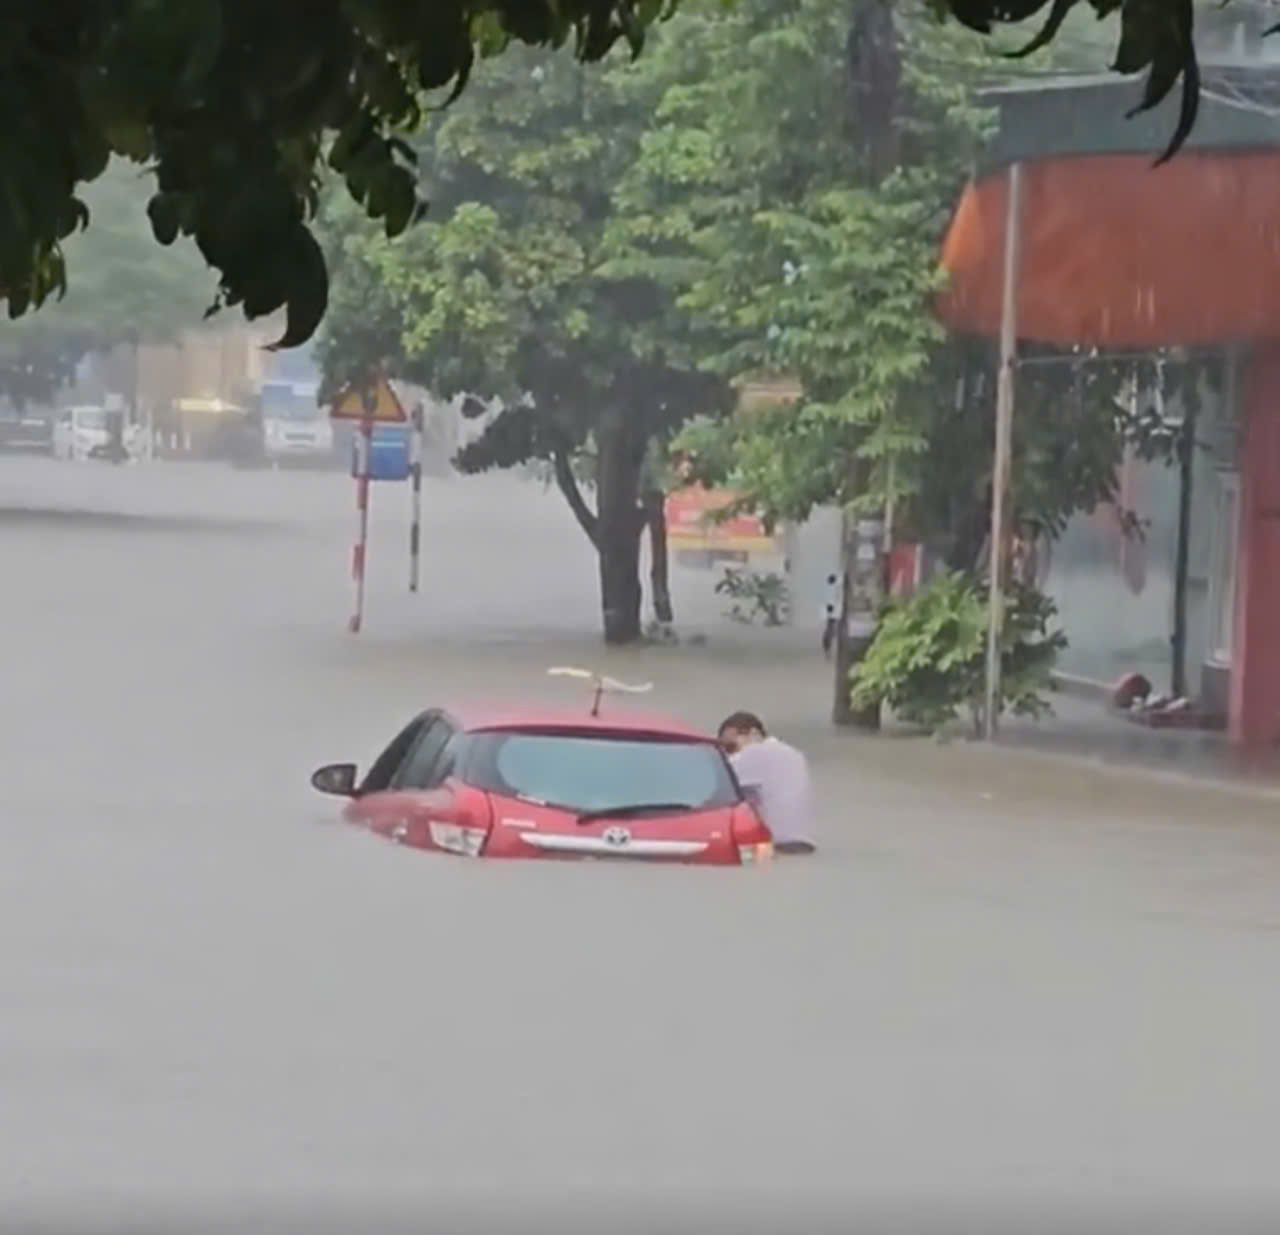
(1118, 254)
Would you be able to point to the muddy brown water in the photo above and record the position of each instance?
(1004, 980)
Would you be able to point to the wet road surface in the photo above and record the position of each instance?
(1004, 981)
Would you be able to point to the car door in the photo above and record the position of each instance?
(424, 791)
(399, 808)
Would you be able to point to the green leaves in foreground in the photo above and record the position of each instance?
(238, 108)
(1156, 36)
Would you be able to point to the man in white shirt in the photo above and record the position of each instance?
(775, 778)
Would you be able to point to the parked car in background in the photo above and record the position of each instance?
(79, 432)
(26, 430)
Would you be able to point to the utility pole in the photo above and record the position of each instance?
(1004, 442)
(1182, 556)
(862, 593)
(873, 65)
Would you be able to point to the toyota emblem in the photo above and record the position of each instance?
(616, 838)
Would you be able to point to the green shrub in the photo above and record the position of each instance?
(755, 595)
(928, 658)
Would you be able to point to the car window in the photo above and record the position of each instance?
(385, 766)
(447, 764)
(589, 772)
(417, 771)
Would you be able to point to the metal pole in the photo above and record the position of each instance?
(790, 544)
(863, 591)
(1182, 554)
(890, 499)
(362, 508)
(842, 705)
(1004, 436)
(415, 526)
(889, 503)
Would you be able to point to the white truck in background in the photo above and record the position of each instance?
(80, 431)
(295, 428)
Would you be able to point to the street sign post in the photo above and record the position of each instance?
(362, 506)
(415, 524)
(392, 454)
(376, 403)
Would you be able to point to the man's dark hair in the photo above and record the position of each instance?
(743, 722)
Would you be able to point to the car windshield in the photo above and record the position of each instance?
(90, 418)
(587, 772)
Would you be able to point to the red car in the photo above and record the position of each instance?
(535, 783)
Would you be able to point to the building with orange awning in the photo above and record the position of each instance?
(1113, 253)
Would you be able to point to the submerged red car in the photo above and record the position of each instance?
(535, 783)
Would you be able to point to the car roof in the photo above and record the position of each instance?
(478, 718)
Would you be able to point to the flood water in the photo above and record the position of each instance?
(1004, 982)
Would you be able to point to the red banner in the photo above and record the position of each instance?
(691, 525)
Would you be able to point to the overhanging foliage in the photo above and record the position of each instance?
(238, 108)
(1156, 36)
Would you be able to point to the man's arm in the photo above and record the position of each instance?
(747, 771)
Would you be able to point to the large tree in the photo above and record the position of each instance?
(507, 293)
(791, 195)
(833, 285)
(817, 258)
(237, 108)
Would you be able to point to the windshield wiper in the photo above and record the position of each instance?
(635, 808)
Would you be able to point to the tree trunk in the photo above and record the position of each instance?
(620, 519)
(659, 569)
(562, 461)
(873, 69)
(620, 595)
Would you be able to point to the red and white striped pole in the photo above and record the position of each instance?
(415, 468)
(359, 555)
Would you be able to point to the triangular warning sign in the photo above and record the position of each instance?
(358, 404)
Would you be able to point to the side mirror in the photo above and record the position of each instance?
(338, 779)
